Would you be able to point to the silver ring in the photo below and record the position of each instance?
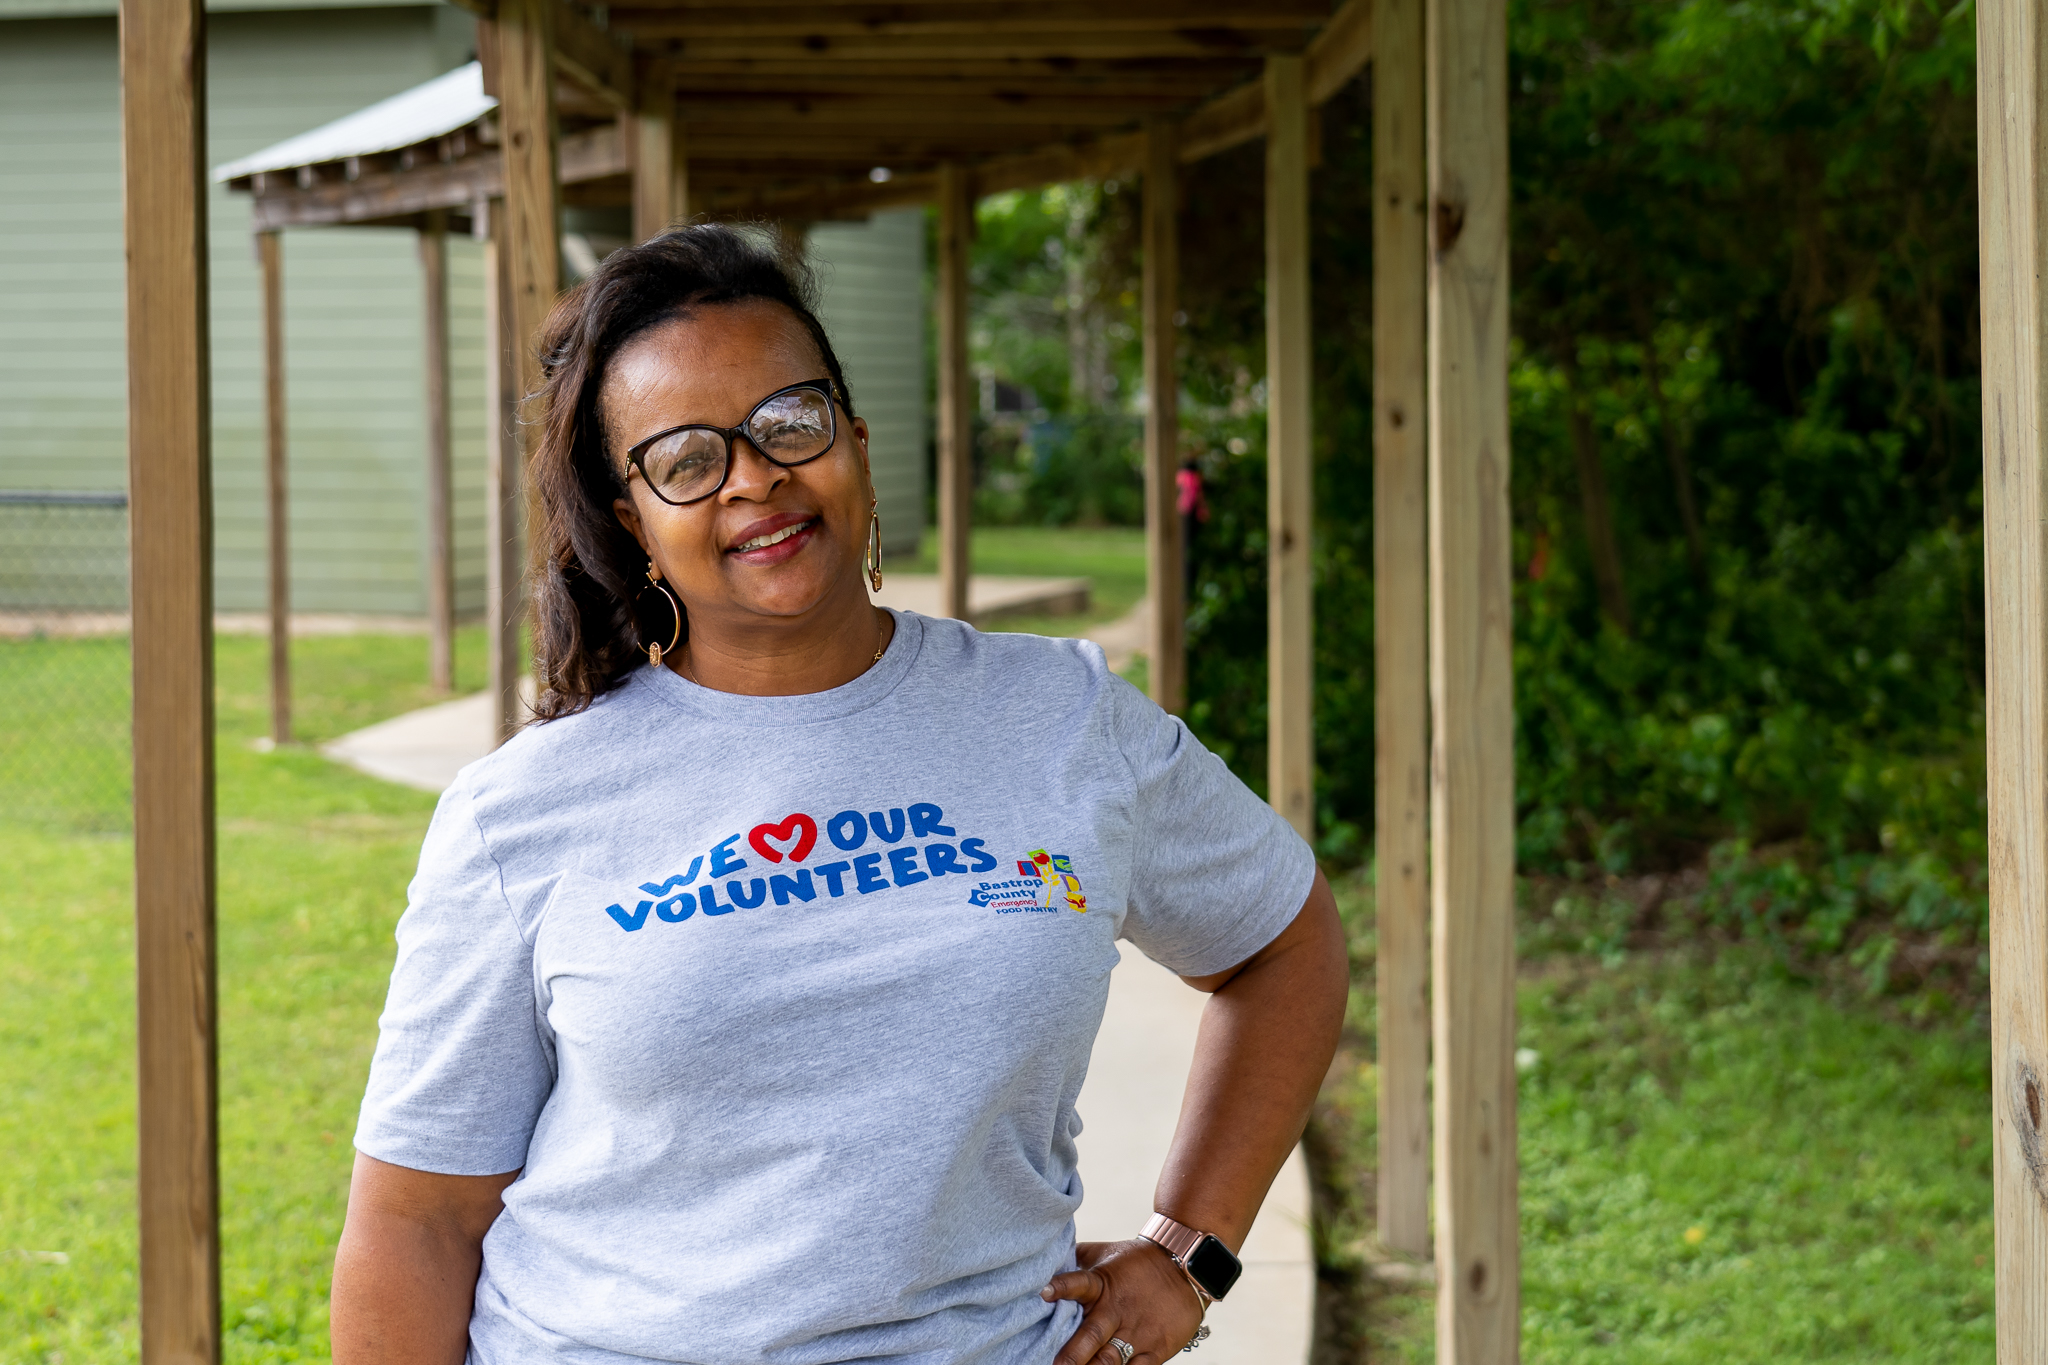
(1124, 1349)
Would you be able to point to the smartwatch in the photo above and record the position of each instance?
(1208, 1264)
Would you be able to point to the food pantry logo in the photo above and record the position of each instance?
(1044, 881)
(792, 842)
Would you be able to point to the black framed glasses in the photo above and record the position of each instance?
(789, 427)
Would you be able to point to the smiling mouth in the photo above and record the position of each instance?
(774, 537)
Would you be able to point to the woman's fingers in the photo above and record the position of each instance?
(1090, 1343)
(1082, 1286)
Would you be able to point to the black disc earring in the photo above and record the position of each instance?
(655, 613)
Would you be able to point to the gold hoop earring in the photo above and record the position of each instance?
(651, 617)
(874, 557)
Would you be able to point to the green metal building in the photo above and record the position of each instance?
(353, 323)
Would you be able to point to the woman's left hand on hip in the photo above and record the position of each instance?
(1132, 1291)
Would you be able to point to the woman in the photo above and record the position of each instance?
(740, 1007)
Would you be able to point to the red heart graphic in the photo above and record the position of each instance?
(799, 827)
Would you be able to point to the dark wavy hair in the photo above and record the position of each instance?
(588, 569)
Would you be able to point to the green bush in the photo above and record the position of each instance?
(1744, 272)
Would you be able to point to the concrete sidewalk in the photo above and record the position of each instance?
(1128, 1106)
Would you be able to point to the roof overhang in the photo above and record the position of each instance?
(828, 108)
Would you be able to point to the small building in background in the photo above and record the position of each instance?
(354, 322)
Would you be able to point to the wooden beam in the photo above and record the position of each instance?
(1098, 159)
(163, 138)
(956, 428)
(276, 483)
(1197, 44)
(1230, 120)
(2012, 137)
(860, 149)
(1165, 562)
(660, 170)
(1472, 808)
(440, 565)
(1290, 468)
(594, 58)
(821, 200)
(597, 59)
(794, 111)
(529, 269)
(1189, 81)
(1339, 51)
(968, 18)
(504, 607)
(1400, 597)
(396, 196)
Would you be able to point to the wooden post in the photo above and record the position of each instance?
(503, 604)
(2012, 135)
(440, 564)
(1472, 824)
(1166, 650)
(1400, 489)
(270, 262)
(170, 499)
(661, 170)
(526, 233)
(1290, 471)
(956, 422)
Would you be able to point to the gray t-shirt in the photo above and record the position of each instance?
(780, 1004)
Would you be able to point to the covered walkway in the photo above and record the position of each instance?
(813, 109)
(810, 110)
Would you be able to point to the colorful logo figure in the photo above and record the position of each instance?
(1056, 870)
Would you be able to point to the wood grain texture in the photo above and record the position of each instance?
(661, 174)
(1165, 573)
(1472, 824)
(956, 413)
(2012, 136)
(440, 481)
(276, 485)
(1400, 494)
(1341, 49)
(526, 113)
(529, 273)
(1290, 469)
(163, 134)
(598, 59)
(504, 601)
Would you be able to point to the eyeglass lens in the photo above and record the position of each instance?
(789, 428)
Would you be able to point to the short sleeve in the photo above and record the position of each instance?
(1216, 874)
(461, 1070)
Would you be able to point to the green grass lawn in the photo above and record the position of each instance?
(1722, 1164)
(1719, 1164)
(1112, 558)
(313, 864)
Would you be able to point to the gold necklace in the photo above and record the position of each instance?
(881, 648)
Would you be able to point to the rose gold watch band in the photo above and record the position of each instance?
(1177, 1240)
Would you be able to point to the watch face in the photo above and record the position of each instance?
(1213, 1267)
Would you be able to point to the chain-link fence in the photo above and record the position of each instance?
(64, 666)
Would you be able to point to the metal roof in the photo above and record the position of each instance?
(443, 105)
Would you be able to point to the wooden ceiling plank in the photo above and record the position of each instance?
(1202, 76)
(839, 113)
(982, 17)
(1204, 43)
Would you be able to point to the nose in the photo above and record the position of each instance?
(753, 475)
